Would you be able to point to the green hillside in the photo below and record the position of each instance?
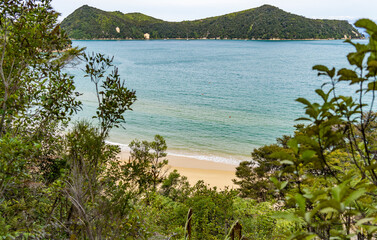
(265, 22)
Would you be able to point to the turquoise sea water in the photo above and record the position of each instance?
(214, 100)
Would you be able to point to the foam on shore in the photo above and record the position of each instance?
(210, 158)
(215, 171)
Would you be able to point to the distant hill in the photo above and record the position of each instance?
(265, 22)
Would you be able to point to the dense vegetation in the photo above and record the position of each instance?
(265, 22)
(67, 183)
(326, 171)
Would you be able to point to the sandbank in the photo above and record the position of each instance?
(215, 174)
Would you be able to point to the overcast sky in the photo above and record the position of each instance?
(178, 10)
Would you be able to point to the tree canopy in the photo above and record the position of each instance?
(265, 22)
(60, 182)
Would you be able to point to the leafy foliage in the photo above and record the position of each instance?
(113, 97)
(336, 197)
(30, 69)
(69, 184)
(253, 177)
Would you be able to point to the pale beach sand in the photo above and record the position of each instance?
(213, 173)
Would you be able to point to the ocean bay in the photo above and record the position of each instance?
(214, 100)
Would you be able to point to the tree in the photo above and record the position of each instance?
(37, 98)
(253, 177)
(147, 163)
(175, 186)
(54, 185)
(99, 187)
(112, 96)
(337, 199)
(36, 102)
(34, 91)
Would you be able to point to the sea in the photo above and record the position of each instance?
(214, 100)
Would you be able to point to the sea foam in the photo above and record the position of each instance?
(209, 157)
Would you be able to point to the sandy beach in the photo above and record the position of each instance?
(212, 173)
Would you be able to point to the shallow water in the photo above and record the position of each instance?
(214, 100)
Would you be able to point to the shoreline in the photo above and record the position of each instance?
(224, 39)
(227, 159)
(215, 174)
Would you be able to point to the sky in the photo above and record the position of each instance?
(179, 10)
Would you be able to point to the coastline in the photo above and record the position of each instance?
(215, 174)
(223, 39)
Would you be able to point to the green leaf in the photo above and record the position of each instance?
(293, 145)
(370, 229)
(301, 202)
(372, 63)
(354, 196)
(332, 203)
(367, 24)
(372, 67)
(356, 59)
(307, 154)
(336, 192)
(347, 74)
(331, 72)
(303, 101)
(370, 167)
(283, 185)
(286, 162)
(308, 216)
(321, 93)
(321, 68)
(328, 210)
(303, 119)
(281, 155)
(372, 86)
(287, 216)
(365, 220)
(274, 180)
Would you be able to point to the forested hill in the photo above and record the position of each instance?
(265, 22)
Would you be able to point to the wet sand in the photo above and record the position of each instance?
(212, 173)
